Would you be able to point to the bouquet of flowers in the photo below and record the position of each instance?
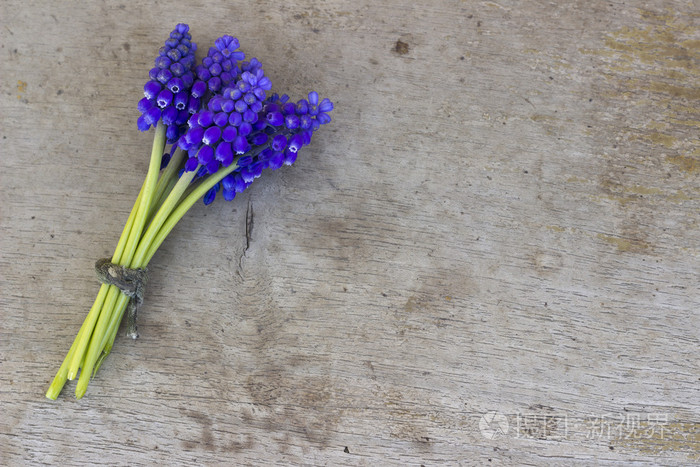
(223, 130)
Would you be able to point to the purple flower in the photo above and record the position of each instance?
(232, 184)
(219, 68)
(231, 114)
(211, 194)
(169, 85)
(279, 142)
(239, 123)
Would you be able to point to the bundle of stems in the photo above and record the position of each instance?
(162, 202)
(224, 131)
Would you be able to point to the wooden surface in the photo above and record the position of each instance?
(489, 257)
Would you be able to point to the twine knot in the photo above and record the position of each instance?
(132, 283)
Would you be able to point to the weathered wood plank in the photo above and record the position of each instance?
(499, 231)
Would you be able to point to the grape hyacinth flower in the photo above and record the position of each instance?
(167, 94)
(224, 132)
(225, 128)
(218, 68)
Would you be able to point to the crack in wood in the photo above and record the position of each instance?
(249, 220)
(249, 213)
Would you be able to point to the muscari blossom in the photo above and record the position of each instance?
(167, 94)
(226, 127)
(239, 125)
(239, 122)
(219, 67)
(282, 128)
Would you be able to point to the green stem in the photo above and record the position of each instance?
(177, 214)
(133, 250)
(89, 323)
(166, 182)
(62, 375)
(96, 352)
(95, 338)
(113, 327)
(163, 213)
(149, 189)
(160, 199)
(182, 208)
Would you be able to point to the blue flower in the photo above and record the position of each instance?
(233, 184)
(240, 122)
(211, 194)
(219, 67)
(226, 127)
(167, 94)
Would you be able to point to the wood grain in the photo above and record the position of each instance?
(489, 257)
